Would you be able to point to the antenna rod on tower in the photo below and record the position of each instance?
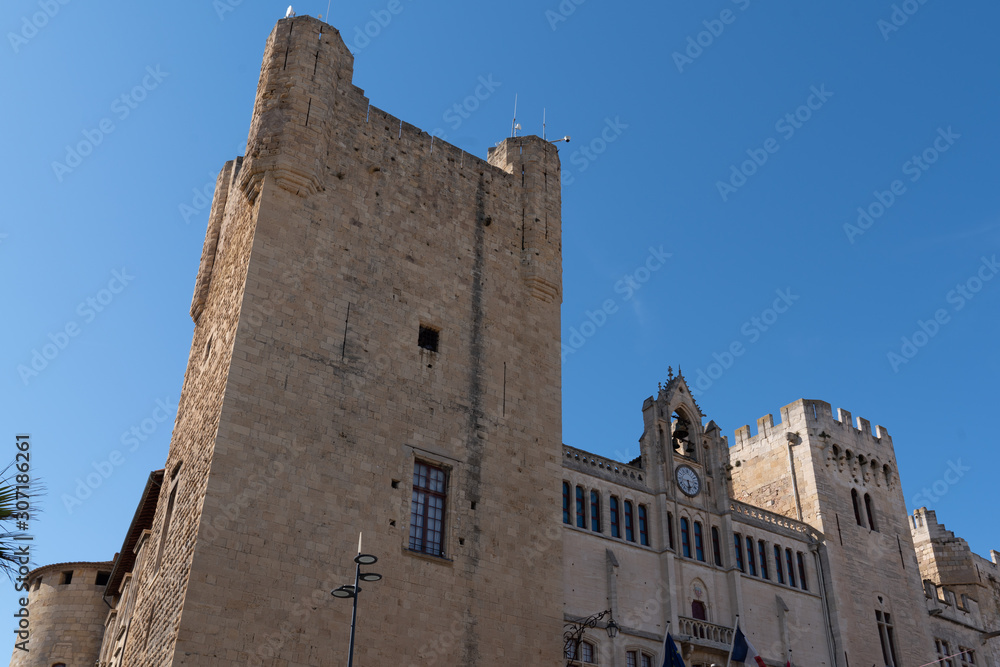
(543, 123)
(513, 123)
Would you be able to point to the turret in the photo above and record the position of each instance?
(65, 615)
(306, 63)
(537, 163)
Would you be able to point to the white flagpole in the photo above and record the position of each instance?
(667, 658)
(735, 628)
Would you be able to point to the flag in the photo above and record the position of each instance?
(743, 650)
(671, 656)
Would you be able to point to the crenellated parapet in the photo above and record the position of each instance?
(847, 445)
(948, 603)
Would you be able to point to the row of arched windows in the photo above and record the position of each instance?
(626, 519)
(786, 564)
(693, 540)
(860, 513)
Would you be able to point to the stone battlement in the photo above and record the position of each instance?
(819, 415)
(945, 602)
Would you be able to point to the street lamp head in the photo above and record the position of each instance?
(613, 628)
(344, 592)
(365, 559)
(370, 576)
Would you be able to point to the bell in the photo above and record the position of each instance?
(681, 431)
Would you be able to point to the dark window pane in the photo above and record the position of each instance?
(685, 538)
(629, 531)
(699, 546)
(565, 502)
(427, 509)
(595, 511)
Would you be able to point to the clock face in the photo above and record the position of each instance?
(687, 480)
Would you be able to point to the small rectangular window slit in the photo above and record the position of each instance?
(427, 338)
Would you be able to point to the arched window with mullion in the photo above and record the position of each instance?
(857, 507)
(685, 538)
(629, 522)
(870, 512)
(565, 490)
(595, 511)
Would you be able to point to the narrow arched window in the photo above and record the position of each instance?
(595, 511)
(565, 502)
(643, 527)
(670, 529)
(615, 528)
(870, 512)
(802, 570)
(699, 543)
(685, 538)
(791, 567)
(716, 546)
(738, 541)
(581, 508)
(778, 570)
(629, 530)
(762, 550)
(751, 561)
(857, 506)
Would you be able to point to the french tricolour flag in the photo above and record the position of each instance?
(743, 650)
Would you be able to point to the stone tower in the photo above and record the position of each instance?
(376, 349)
(842, 479)
(65, 614)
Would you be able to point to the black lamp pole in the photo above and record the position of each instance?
(348, 591)
(354, 614)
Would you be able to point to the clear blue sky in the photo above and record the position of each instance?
(659, 123)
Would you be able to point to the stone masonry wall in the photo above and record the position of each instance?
(157, 611)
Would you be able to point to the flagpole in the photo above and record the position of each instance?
(735, 628)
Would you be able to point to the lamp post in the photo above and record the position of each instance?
(348, 591)
(573, 633)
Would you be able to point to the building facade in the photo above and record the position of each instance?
(376, 350)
